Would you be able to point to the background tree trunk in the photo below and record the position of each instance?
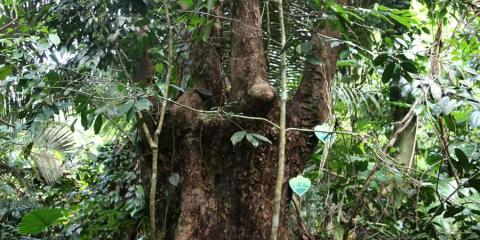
(226, 191)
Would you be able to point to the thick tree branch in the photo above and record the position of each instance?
(312, 99)
(249, 70)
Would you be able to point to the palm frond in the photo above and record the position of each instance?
(48, 147)
(355, 98)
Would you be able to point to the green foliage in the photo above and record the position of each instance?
(76, 60)
(252, 138)
(39, 220)
(109, 200)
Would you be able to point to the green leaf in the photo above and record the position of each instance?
(143, 104)
(405, 21)
(475, 119)
(380, 59)
(211, 3)
(159, 67)
(462, 157)
(126, 107)
(251, 139)
(314, 60)
(409, 67)
(53, 37)
(346, 63)
(84, 120)
(38, 220)
(207, 29)
(261, 137)
(186, 4)
(388, 72)
(5, 71)
(42, 45)
(52, 77)
(397, 73)
(237, 137)
(97, 126)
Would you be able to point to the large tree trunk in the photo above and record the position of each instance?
(226, 191)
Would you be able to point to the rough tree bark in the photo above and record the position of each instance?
(225, 191)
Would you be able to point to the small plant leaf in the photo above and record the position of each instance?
(53, 37)
(237, 137)
(251, 139)
(97, 126)
(261, 137)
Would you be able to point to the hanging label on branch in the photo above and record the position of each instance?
(300, 184)
(325, 133)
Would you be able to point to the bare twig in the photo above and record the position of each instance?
(301, 223)
(5, 122)
(153, 186)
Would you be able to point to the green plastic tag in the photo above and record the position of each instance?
(300, 184)
(324, 133)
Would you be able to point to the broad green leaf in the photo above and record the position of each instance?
(475, 119)
(237, 137)
(448, 188)
(253, 140)
(463, 160)
(445, 105)
(409, 67)
(261, 137)
(97, 126)
(401, 42)
(139, 191)
(126, 107)
(84, 120)
(207, 29)
(42, 45)
(52, 77)
(143, 104)
(159, 67)
(186, 3)
(346, 63)
(39, 220)
(435, 90)
(402, 20)
(5, 71)
(380, 59)
(53, 37)
(388, 72)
